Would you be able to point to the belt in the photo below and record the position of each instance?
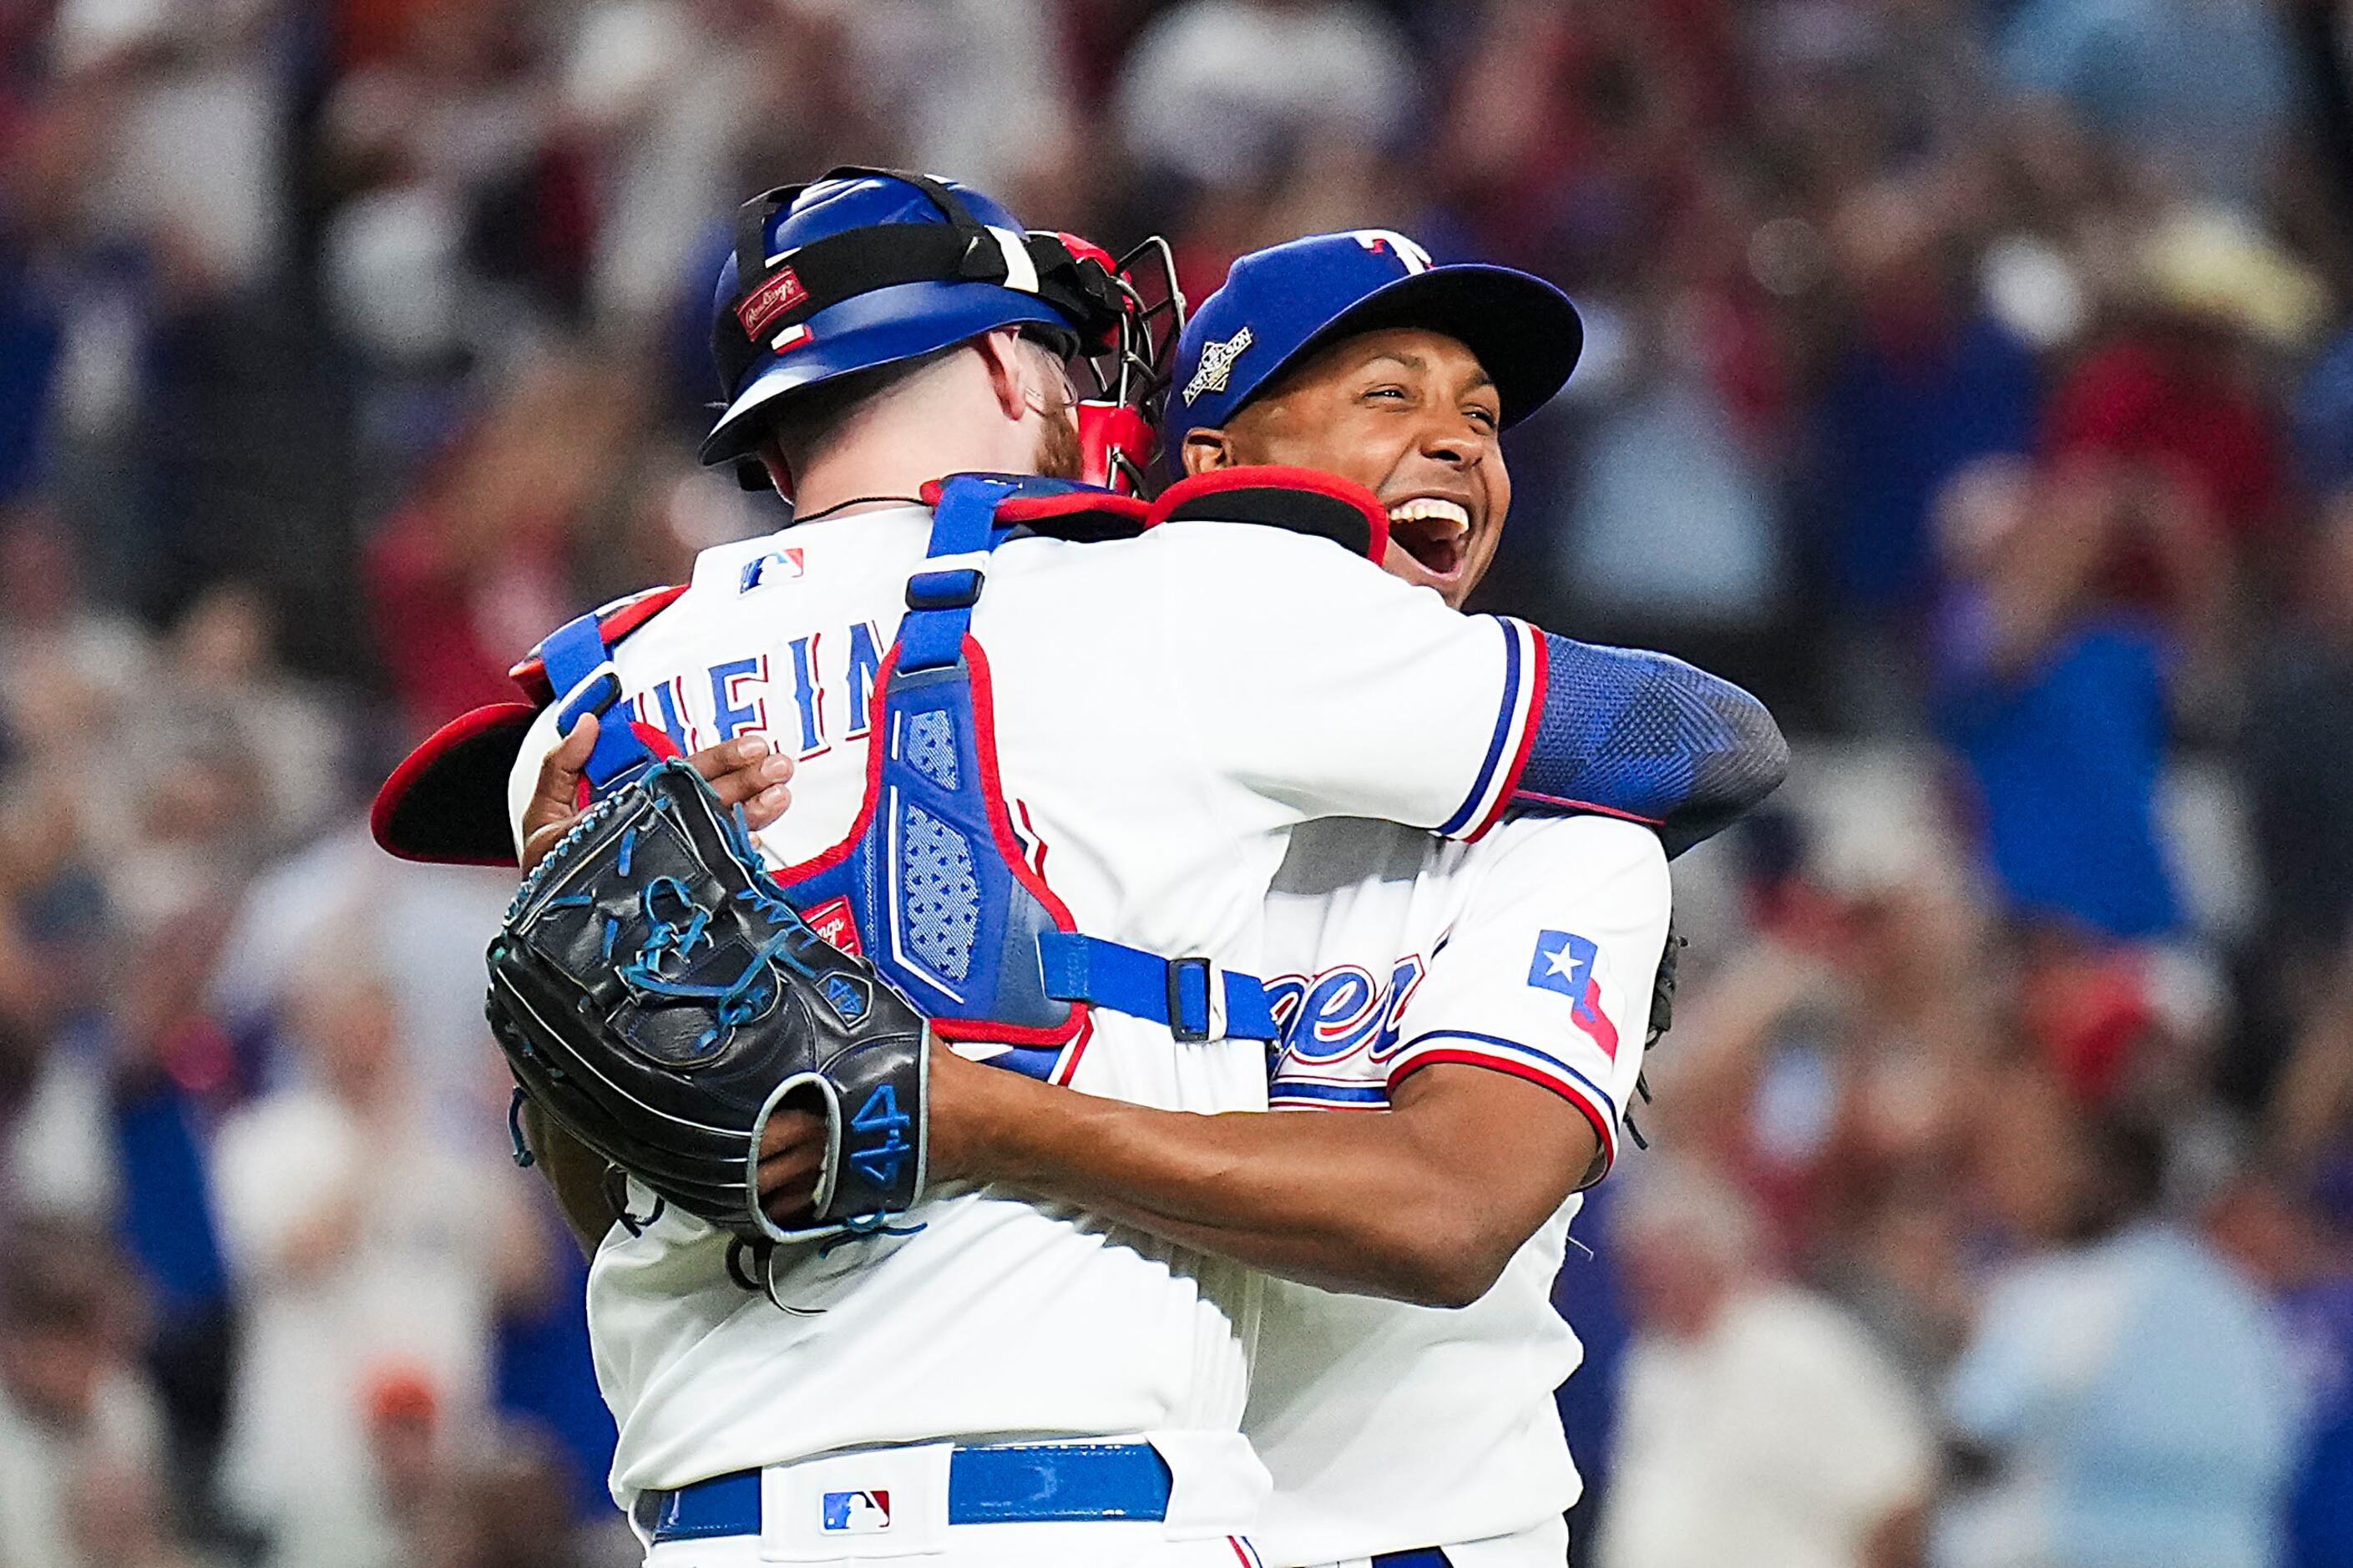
(1419, 1557)
(1008, 1483)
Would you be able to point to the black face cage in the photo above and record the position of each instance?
(1133, 369)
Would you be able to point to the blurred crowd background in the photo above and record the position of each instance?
(1969, 377)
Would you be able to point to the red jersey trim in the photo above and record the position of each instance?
(1464, 1055)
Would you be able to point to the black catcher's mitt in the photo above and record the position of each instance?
(657, 997)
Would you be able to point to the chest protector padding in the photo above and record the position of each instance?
(933, 884)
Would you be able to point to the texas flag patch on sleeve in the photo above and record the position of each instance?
(1568, 963)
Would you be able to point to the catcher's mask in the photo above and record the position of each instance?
(866, 268)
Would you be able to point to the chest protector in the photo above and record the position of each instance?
(934, 884)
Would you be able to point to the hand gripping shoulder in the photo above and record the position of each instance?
(656, 995)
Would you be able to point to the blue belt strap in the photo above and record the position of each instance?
(724, 1505)
(1419, 1557)
(1023, 1483)
(1013, 1483)
(1175, 992)
(571, 653)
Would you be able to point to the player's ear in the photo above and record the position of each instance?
(1206, 451)
(1008, 367)
(771, 456)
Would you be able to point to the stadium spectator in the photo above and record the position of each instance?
(1227, 93)
(2055, 693)
(73, 1405)
(1758, 1424)
(2127, 1397)
(2204, 92)
(1928, 383)
(369, 1258)
(2299, 754)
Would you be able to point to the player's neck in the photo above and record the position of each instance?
(902, 444)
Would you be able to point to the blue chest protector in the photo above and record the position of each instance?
(933, 885)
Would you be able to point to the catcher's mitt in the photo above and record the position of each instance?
(657, 997)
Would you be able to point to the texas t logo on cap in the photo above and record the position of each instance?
(1379, 240)
(1217, 365)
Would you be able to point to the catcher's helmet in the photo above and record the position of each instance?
(867, 268)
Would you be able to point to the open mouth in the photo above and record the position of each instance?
(1435, 532)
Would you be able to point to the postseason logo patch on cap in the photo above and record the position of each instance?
(1217, 365)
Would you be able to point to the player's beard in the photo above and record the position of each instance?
(1060, 456)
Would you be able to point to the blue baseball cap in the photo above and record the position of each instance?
(1279, 305)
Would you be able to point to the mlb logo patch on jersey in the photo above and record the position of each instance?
(1568, 963)
(857, 1513)
(775, 566)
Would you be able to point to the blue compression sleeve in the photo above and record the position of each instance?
(1627, 732)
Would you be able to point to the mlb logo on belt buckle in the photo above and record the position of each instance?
(857, 1512)
(860, 1507)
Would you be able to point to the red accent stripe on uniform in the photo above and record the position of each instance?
(1537, 682)
(1589, 808)
(1466, 1058)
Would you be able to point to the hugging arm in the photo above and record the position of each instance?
(1506, 1091)
(1444, 720)
(1627, 732)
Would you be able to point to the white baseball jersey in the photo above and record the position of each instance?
(1166, 709)
(1389, 1426)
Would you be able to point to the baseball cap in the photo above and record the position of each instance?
(1281, 304)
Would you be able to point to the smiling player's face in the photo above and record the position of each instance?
(1406, 412)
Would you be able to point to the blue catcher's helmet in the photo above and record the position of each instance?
(866, 268)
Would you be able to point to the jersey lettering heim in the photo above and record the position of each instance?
(1531, 953)
(1166, 709)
